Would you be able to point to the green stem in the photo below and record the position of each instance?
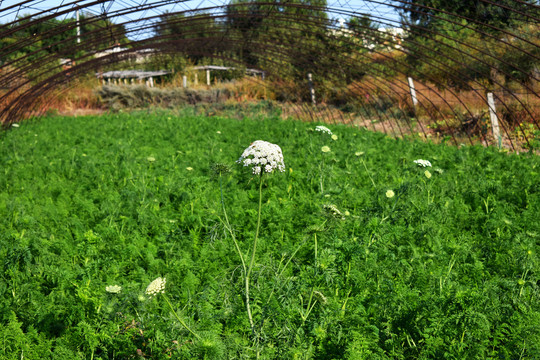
(228, 226)
(367, 171)
(221, 192)
(245, 271)
(321, 169)
(180, 319)
(315, 234)
(252, 261)
(258, 227)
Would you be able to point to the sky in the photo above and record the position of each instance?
(340, 9)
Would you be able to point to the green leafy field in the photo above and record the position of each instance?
(443, 266)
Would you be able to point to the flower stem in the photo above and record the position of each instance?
(367, 171)
(179, 318)
(315, 234)
(258, 227)
(228, 226)
(252, 261)
(321, 176)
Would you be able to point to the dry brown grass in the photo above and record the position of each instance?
(440, 115)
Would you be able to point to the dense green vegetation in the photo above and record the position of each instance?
(443, 266)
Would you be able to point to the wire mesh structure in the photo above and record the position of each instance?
(465, 73)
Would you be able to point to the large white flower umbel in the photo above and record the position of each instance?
(423, 163)
(323, 129)
(157, 286)
(263, 156)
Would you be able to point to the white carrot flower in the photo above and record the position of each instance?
(113, 289)
(263, 156)
(157, 286)
(323, 129)
(423, 163)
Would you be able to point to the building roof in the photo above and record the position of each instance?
(125, 74)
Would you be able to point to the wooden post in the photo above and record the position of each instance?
(196, 79)
(184, 81)
(208, 77)
(494, 119)
(311, 89)
(413, 92)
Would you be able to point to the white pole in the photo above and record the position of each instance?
(196, 79)
(311, 89)
(184, 81)
(78, 28)
(151, 81)
(208, 77)
(413, 91)
(494, 119)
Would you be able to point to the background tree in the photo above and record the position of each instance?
(458, 43)
(497, 15)
(34, 38)
(192, 35)
(101, 33)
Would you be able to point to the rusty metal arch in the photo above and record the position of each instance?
(384, 67)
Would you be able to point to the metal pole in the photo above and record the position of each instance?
(494, 119)
(413, 91)
(78, 28)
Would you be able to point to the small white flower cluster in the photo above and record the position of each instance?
(113, 289)
(423, 163)
(323, 129)
(157, 286)
(263, 156)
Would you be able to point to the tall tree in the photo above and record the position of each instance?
(292, 30)
(100, 33)
(497, 15)
(195, 35)
(35, 37)
(457, 43)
